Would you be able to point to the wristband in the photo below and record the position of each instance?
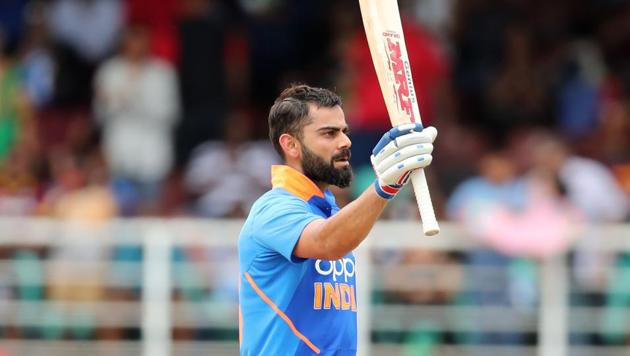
(386, 191)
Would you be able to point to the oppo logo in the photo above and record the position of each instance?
(342, 267)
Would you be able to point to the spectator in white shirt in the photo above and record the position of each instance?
(137, 105)
(592, 188)
(225, 177)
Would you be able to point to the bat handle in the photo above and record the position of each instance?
(429, 222)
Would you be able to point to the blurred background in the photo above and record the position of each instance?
(133, 141)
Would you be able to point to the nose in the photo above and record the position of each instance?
(345, 141)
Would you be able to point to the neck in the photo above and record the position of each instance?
(322, 186)
(298, 167)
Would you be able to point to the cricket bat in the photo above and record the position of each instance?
(383, 27)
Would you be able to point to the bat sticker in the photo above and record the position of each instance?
(400, 70)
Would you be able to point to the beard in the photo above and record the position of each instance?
(318, 170)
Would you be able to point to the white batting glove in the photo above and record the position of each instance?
(399, 152)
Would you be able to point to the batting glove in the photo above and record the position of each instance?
(399, 152)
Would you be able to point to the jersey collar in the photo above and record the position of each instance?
(302, 187)
(294, 182)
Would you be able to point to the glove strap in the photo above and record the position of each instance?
(386, 191)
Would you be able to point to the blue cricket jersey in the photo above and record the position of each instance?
(290, 305)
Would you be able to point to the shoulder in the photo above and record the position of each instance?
(110, 66)
(277, 200)
(275, 218)
(113, 62)
(576, 164)
(584, 169)
(275, 209)
(260, 150)
(208, 150)
(161, 66)
(470, 185)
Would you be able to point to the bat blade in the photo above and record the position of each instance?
(383, 28)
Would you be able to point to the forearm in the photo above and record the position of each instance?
(344, 231)
(398, 153)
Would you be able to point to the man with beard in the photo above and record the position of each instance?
(297, 271)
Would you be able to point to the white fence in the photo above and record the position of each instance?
(168, 287)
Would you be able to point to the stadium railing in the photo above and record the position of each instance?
(156, 287)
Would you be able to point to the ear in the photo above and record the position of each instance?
(290, 145)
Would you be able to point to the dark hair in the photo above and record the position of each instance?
(9, 45)
(289, 113)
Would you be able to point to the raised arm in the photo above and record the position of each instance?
(401, 150)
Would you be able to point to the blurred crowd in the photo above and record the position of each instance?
(121, 108)
(127, 108)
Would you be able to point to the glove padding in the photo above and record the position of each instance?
(402, 150)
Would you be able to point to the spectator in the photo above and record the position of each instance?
(161, 21)
(288, 41)
(236, 165)
(579, 98)
(79, 191)
(525, 217)
(519, 93)
(81, 196)
(592, 188)
(37, 58)
(590, 185)
(16, 126)
(496, 183)
(436, 15)
(478, 36)
(84, 33)
(19, 187)
(202, 68)
(609, 143)
(137, 106)
(516, 218)
(90, 27)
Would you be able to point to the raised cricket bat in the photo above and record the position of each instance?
(383, 28)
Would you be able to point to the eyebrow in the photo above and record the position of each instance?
(344, 129)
